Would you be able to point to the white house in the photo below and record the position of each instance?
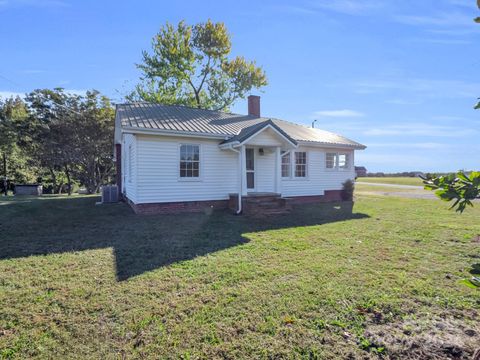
(176, 158)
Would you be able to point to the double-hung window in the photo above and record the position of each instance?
(331, 160)
(300, 164)
(294, 164)
(189, 161)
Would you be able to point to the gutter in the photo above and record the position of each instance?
(239, 210)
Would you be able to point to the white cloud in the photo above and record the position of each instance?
(419, 129)
(338, 113)
(350, 7)
(441, 41)
(6, 4)
(427, 88)
(440, 19)
(9, 94)
(294, 9)
(403, 102)
(418, 145)
(463, 3)
(32, 71)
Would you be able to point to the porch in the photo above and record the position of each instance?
(260, 150)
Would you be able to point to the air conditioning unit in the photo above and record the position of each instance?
(109, 194)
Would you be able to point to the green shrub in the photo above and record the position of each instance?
(347, 190)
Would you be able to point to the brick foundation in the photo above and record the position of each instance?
(231, 204)
(179, 207)
(330, 196)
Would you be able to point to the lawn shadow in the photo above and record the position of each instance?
(140, 243)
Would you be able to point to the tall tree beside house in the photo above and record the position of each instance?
(71, 136)
(14, 163)
(47, 137)
(189, 65)
(94, 141)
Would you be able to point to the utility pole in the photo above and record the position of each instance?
(313, 123)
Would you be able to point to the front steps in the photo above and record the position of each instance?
(261, 204)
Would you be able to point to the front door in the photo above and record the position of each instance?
(250, 166)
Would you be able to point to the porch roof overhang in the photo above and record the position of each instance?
(247, 134)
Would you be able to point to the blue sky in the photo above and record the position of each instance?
(396, 75)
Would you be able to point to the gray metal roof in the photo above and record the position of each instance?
(149, 116)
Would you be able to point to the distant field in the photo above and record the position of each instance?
(392, 180)
(366, 187)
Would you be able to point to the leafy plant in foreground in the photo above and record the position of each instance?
(462, 189)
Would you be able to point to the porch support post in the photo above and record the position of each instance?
(243, 171)
(278, 170)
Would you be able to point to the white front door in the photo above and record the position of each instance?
(250, 167)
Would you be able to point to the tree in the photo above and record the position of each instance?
(94, 141)
(71, 136)
(189, 65)
(477, 19)
(49, 133)
(14, 163)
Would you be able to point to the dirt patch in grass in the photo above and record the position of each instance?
(447, 337)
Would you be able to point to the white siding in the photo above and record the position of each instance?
(318, 177)
(267, 137)
(158, 171)
(155, 171)
(129, 166)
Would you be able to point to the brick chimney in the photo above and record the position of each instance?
(254, 105)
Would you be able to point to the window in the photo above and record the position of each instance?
(343, 161)
(300, 164)
(331, 160)
(189, 161)
(130, 163)
(286, 166)
(337, 161)
(250, 167)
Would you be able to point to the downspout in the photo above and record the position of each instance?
(239, 210)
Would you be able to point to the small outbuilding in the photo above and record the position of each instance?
(29, 189)
(360, 171)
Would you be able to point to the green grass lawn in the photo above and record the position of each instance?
(393, 180)
(85, 281)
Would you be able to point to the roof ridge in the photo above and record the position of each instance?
(176, 105)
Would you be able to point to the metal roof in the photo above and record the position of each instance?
(247, 132)
(150, 116)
